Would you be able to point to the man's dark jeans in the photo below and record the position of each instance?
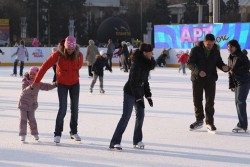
(209, 88)
(128, 103)
(74, 102)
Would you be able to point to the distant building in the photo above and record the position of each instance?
(177, 10)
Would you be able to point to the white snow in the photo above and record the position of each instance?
(166, 126)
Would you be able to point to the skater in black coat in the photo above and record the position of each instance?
(239, 82)
(97, 68)
(135, 89)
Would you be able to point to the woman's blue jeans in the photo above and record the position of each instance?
(74, 102)
(128, 103)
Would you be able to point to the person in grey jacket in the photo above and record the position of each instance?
(28, 103)
(21, 53)
(110, 51)
(92, 51)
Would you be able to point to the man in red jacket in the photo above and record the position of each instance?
(69, 60)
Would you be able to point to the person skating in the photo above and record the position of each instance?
(239, 82)
(203, 60)
(97, 68)
(69, 61)
(135, 89)
(28, 103)
(21, 53)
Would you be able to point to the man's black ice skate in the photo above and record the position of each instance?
(116, 147)
(196, 125)
(211, 128)
(239, 130)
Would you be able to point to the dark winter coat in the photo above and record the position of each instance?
(239, 65)
(137, 84)
(99, 64)
(125, 51)
(198, 61)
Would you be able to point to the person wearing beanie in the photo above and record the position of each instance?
(91, 53)
(28, 103)
(203, 61)
(239, 82)
(135, 89)
(97, 68)
(68, 60)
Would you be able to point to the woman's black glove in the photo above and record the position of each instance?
(150, 101)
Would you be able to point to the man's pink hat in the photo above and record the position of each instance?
(70, 42)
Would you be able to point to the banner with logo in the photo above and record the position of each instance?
(185, 36)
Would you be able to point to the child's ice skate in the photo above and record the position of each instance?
(22, 138)
(139, 145)
(36, 137)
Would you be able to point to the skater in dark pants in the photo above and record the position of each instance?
(69, 61)
(135, 89)
(203, 61)
(97, 68)
(239, 82)
(21, 53)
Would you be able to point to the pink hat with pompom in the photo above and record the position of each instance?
(70, 42)
(33, 70)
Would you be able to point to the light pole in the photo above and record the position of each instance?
(141, 22)
(37, 20)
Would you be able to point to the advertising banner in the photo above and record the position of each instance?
(185, 36)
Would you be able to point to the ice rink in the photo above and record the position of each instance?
(169, 143)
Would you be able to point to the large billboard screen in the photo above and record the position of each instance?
(186, 35)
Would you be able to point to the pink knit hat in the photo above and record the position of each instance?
(70, 42)
(33, 70)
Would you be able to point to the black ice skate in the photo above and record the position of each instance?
(196, 125)
(102, 91)
(211, 129)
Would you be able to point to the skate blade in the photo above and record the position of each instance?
(240, 131)
(139, 147)
(199, 127)
(115, 149)
(211, 131)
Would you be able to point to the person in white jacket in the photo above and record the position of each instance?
(21, 53)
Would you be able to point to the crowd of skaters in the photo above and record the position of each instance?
(203, 61)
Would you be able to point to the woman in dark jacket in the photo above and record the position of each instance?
(239, 82)
(135, 88)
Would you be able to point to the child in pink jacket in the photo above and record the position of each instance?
(28, 103)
